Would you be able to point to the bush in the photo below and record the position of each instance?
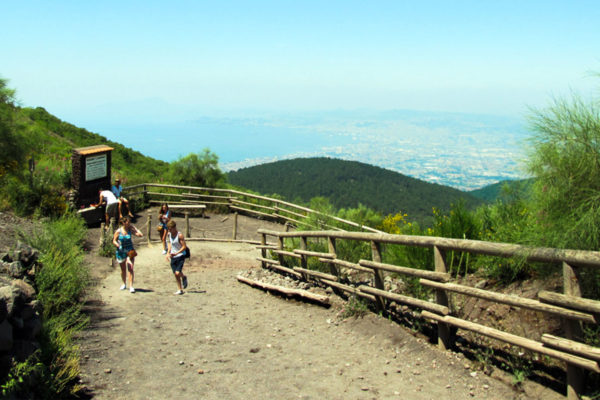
(37, 194)
(61, 281)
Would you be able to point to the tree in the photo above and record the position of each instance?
(198, 169)
(12, 147)
(565, 160)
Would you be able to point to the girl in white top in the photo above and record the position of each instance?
(175, 254)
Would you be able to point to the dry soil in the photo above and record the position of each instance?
(223, 339)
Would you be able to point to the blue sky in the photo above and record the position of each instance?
(87, 61)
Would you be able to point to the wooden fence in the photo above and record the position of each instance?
(569, 306)
(240, 202)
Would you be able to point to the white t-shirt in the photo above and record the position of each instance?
(175, 245)
(109, 197)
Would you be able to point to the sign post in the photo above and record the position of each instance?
(91, 171)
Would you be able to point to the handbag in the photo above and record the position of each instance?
(187, 252)
(131, 254)
(159, 228)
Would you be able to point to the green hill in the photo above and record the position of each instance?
(348, 183)
(51, 140)
(492, 192)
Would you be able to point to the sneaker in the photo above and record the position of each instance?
(123, 287)
(184, 282)
(131, 290)
(164, 252)
(179, 292)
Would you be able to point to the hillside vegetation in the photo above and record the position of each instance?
(346, 184)
(493, 192)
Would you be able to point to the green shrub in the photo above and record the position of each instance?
(53, 371)
(37, 194)
(354, 307)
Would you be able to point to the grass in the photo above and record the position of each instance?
(355, 307)
(52, 371)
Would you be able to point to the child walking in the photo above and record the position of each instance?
(175, 254)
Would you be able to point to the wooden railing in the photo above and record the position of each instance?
(569, 306)
(241, 202)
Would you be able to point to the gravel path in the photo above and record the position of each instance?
(225, 340)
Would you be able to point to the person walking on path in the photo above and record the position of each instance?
(164, 216)
(125, 253)
(176, 255)
(117, 189)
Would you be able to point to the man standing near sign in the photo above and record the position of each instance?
(113, 205)
(117, 189)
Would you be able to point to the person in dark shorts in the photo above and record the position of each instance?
(175, 254)
(113, 206)
(117, 190)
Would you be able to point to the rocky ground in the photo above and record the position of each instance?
(225, 339)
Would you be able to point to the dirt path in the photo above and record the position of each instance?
(225, 340)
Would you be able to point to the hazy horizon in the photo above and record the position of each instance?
(130, 61)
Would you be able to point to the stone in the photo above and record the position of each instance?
(481, 284)
(27, 312)
(33, 326)
(13, 269)
(5, 298)
(27, 255)
(6, 336)
(25, 289)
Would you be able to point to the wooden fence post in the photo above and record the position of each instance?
(102, 235)
(333, 250)
(441, 298)
(187, 224)
(304, 259)
(378, 275)
(149, 227)
(235, 223)
(280, 247)
(263, 251)
(575, 374)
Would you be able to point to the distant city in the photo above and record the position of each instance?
(464, 151)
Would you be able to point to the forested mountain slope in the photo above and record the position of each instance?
(492, 192)
(50, 138)
(348, 183)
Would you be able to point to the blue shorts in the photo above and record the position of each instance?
(177, 264)
(121, 255)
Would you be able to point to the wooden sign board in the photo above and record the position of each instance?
(91, 171)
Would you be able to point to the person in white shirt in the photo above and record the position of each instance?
(113, 205)
(176, 255)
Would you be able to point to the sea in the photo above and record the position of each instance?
(465, 151)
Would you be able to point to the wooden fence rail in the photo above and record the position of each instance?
(569, 306)
(189, 192)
